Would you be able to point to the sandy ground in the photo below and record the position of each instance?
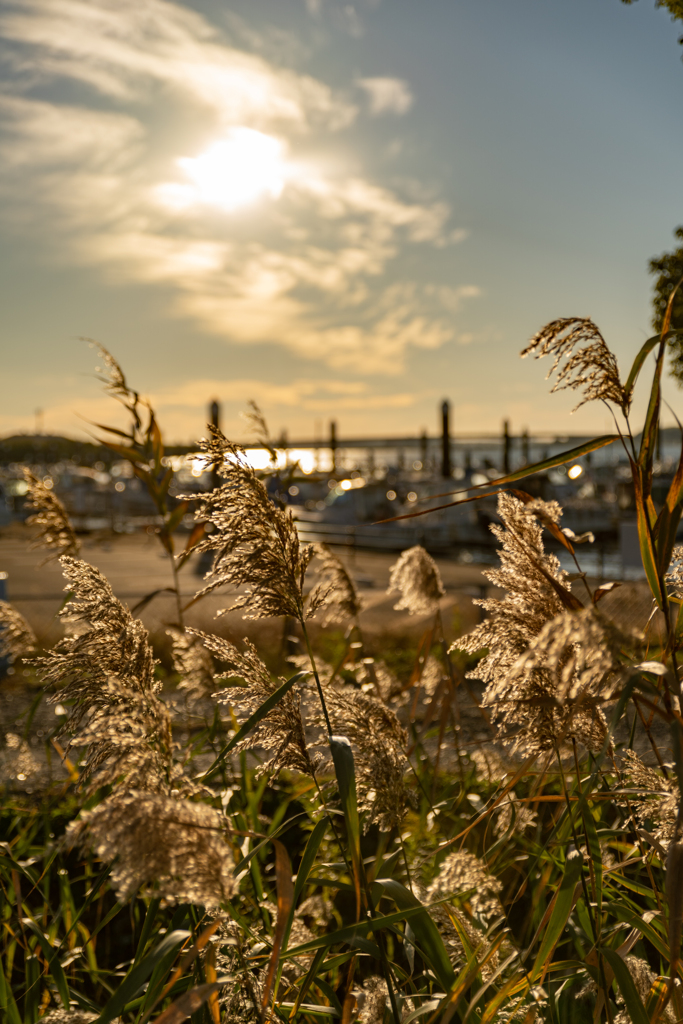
(135, 566)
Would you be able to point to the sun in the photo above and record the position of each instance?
(237, 170)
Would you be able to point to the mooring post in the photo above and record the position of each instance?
(446, 467)
(333, 444)
(506, 446)
(215, 414)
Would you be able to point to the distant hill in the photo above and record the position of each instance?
(46, 449)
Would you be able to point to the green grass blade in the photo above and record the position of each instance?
(593, 846)
(310, 977)
(189, 1002)
(669, 518)
(360, 929)
(308, 859)
(647, 551)
(634, 1003)
(649, 345)
(285, 905)
(623, 912)
(342, 755)
(138, 975)
(425, 931)
(254, 720)
(8, 1007)
(32, 997)
(150, 918)
(562, 904)
(51, 954)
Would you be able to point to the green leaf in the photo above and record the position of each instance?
(424, 930)
(623, 912)
(51, 954)
(189, 1002)
(8, 1005)
(132, 455)
(562, 904)
(285, 906)
(593, 845)
(668, 519)
(642, 356)
(657, 996)
(342, 755)
(176, 517)
(519, 474)
(284, 827)
(150, 918)
(647, 443)
(138, 975)
(634, 1003)
(254, 720)
(308, 859)
(310, 977)
(349, 933)
(647, 551)
(311, 1009)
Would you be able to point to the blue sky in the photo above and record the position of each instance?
(338, 210)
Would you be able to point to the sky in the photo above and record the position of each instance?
(341, 211)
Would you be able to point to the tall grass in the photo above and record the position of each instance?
(330, 845)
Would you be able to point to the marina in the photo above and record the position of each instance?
(363, 493)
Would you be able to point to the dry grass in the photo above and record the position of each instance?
(338, 841)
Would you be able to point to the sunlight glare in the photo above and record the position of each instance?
(238, 170)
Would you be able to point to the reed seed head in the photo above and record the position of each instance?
(70, 1016)
(513, 812)
(674, 574)
(194, 664)
(167, 847)
(416, 578)
(56, 532)
(643, 979)
(116, 386)
(17, 639)
(379, 743)
(525, 706)
(658, 801)
(256, 544)
(589, 365)
(104, 673)
(282, 729)
(461, 871)
(336, 592)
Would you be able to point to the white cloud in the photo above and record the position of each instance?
(387, 95)
(306, 267)
(122, 47)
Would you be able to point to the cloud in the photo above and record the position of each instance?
(182, 408)
(120, 49)
(387, 95)
(309, 265)
(308, 394)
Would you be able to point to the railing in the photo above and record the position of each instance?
(381, 537)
